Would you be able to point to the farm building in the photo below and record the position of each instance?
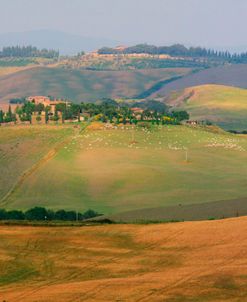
(46, 101)
(137, 110)
(193, 123)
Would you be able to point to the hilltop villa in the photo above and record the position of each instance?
(46, 101)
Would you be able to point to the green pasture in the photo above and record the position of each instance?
(126, 169)
(23, 146)
(223, 105)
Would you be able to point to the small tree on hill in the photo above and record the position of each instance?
(15, 215)
(3, 214)
(9, 111)
(47, 109)
(39, 108)
(1, 116)
(56, 117)
(90, 214)
(63, 115)
(38, 118)
(9, 117)
(37, 213)
(181, 115)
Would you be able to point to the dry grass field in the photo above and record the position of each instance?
(182, 262)
(10, 70)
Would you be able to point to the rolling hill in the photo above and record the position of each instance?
(82, 85)
(228, 75)
(223, 105)
(62, 167)
(182, 262)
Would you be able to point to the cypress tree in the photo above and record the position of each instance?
(63, 115)
(46, 115)
(9, 114)
(1, 117)
(56, 117)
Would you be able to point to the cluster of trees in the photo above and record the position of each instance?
(152, 105)
(42, 214)
(17, 101)
(111, 111)
(28, 52)
(238, 132)
(108, 110)
(27, 109)
(67, 112)
(177, 50)
(7, 117)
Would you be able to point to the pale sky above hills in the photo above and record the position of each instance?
(211, 23)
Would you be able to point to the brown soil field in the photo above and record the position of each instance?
(228, 75)
(79, 85)
(194, 212)
(181, 262)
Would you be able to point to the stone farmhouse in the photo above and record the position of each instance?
(46, 101)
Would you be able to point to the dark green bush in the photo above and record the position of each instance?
(42, 214)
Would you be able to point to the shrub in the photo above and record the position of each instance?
(37, 213)
(42, 214)
(90, 214)
(15, 215)
(3, 214)
(144, 125)
(38, 118)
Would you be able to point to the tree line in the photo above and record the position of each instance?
(25, 110)
(28, 52)
(108, 110)
(43, 214)
(7, 117)
(178, 50)
(153, 111)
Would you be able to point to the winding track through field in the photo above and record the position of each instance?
(50, 155)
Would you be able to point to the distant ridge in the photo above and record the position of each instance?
(81, 85)
(66, 43)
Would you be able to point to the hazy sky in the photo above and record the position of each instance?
(198, 22)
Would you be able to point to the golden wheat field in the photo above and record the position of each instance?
(181, 262)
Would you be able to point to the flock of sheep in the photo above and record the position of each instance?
(171, 138)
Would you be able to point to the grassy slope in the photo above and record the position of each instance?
(226, 106)
(82, 85)
(102, 170)
(189, 262)
(22, 146)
